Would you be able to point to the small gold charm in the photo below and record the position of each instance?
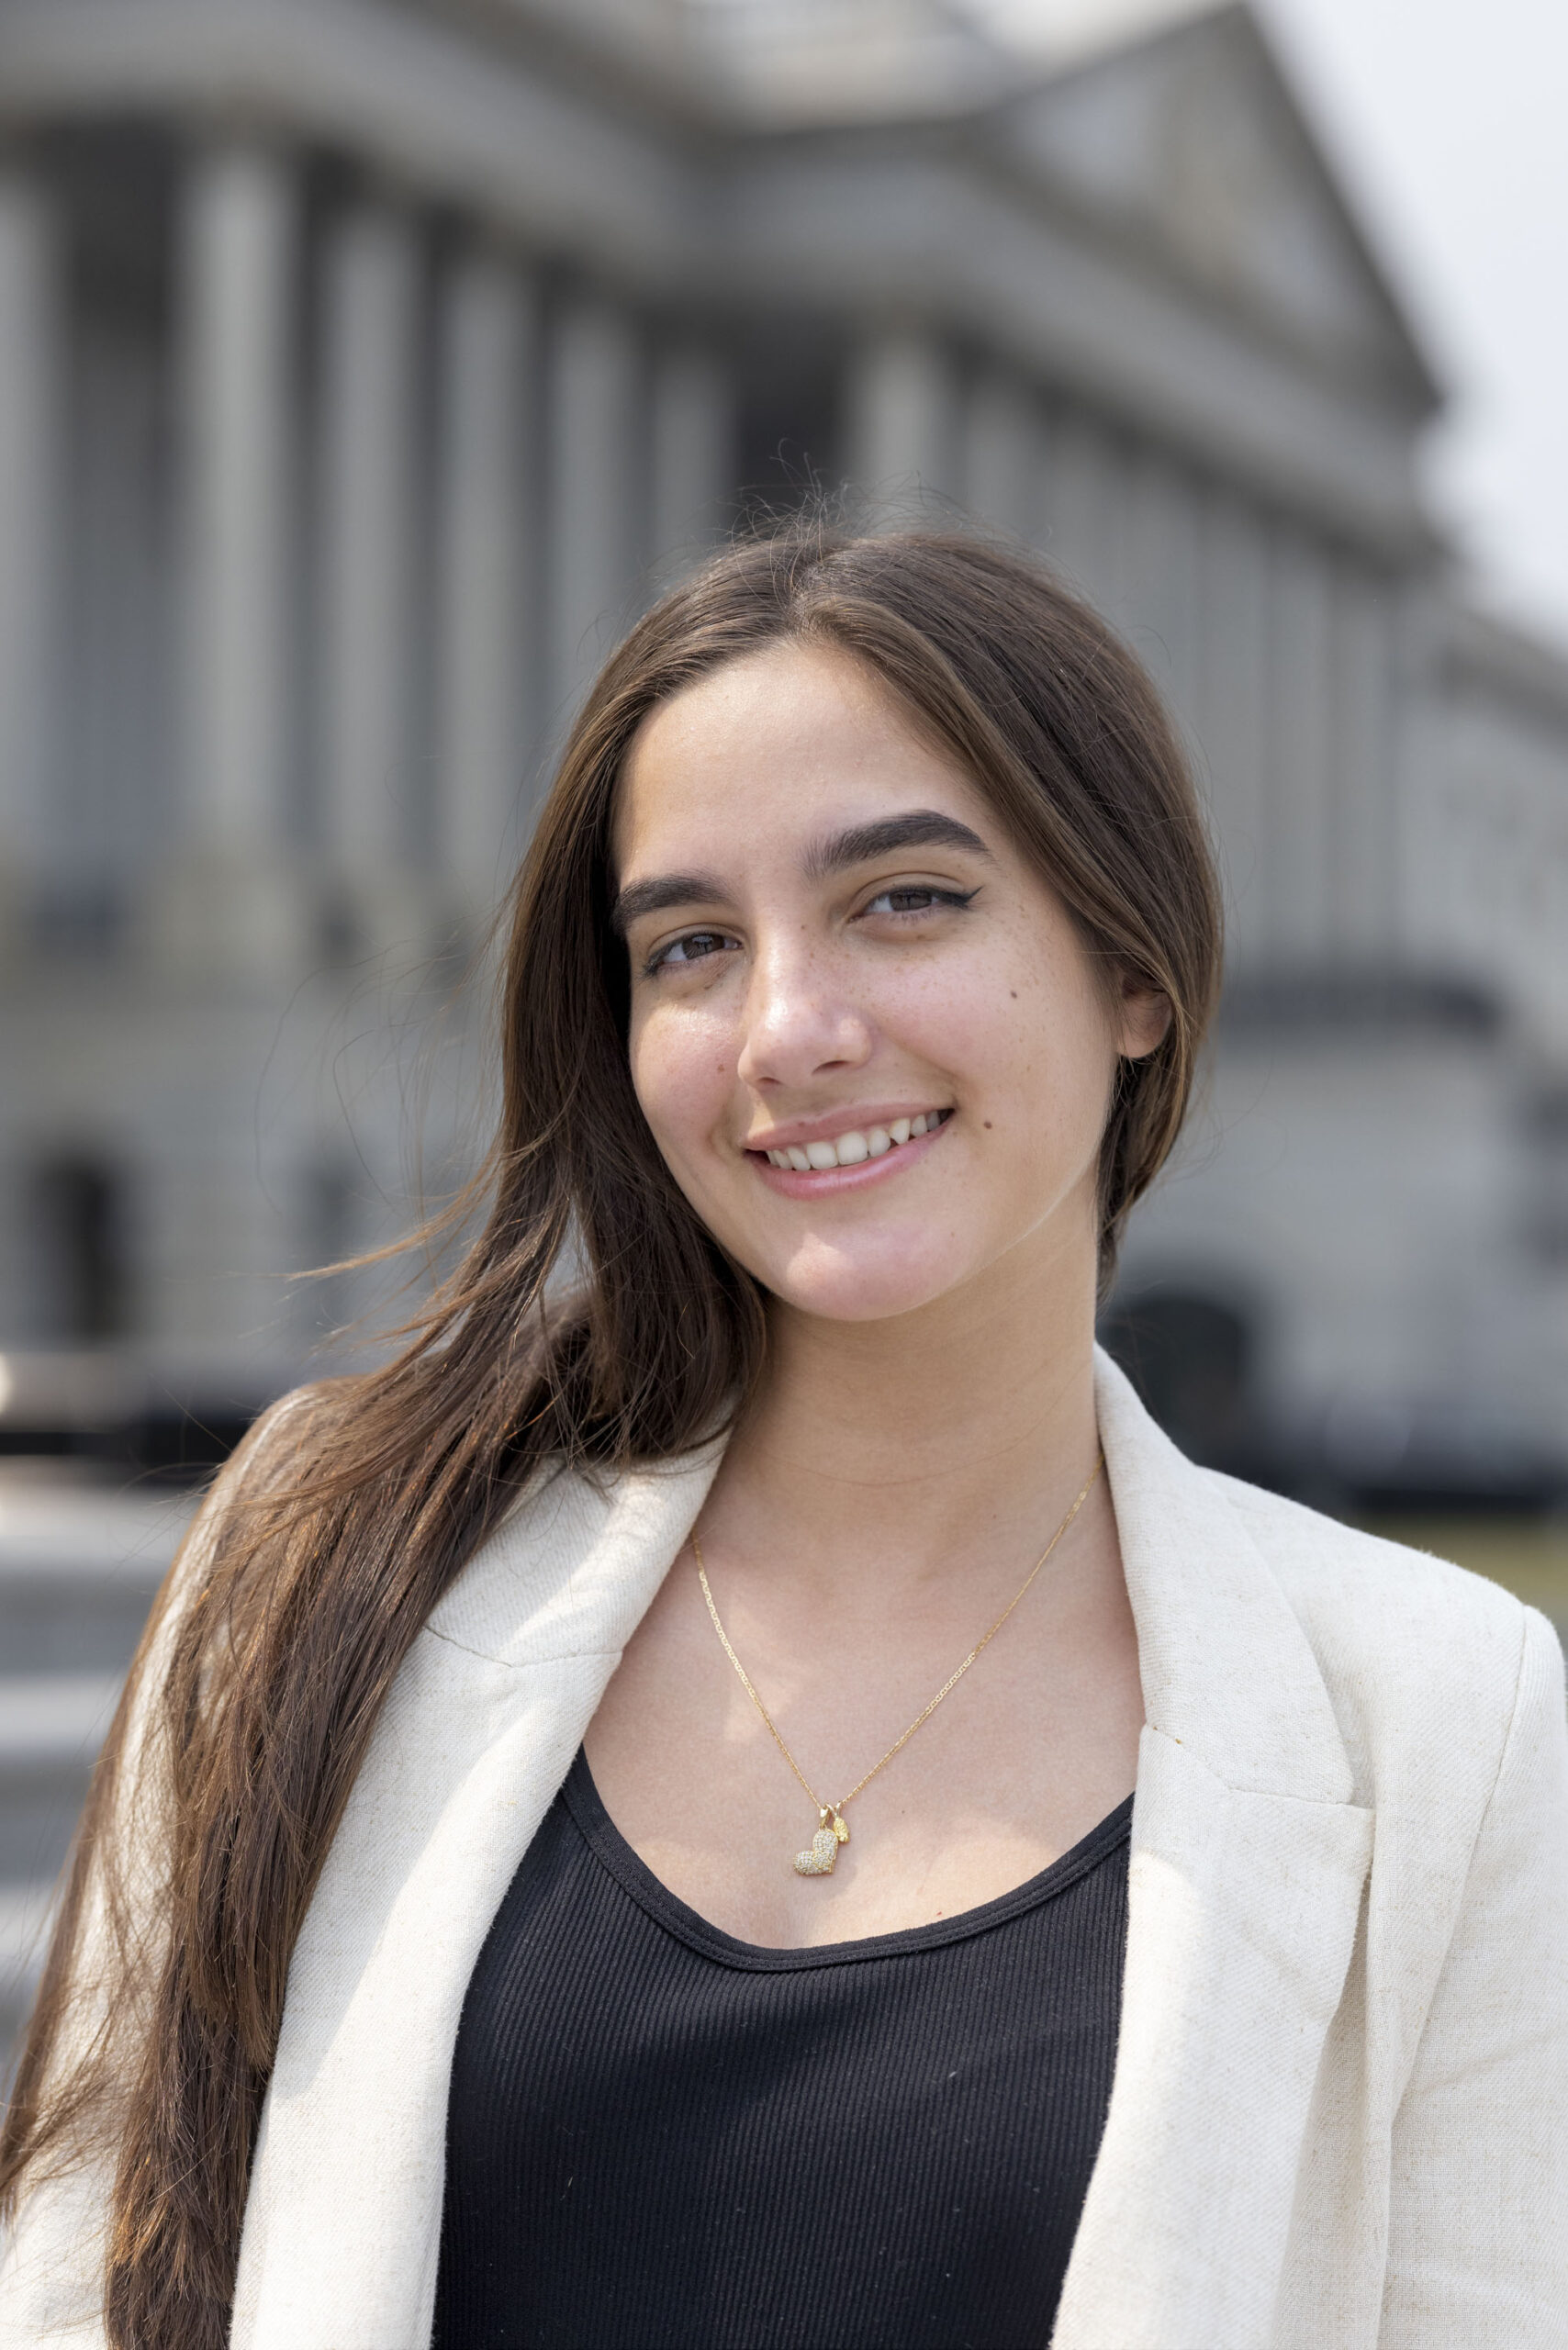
(824, 1845)
(819, 1861)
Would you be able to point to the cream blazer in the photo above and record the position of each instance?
(1339, 2116)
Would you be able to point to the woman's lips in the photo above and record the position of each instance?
(818, 1184)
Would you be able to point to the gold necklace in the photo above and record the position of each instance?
(831, 1830)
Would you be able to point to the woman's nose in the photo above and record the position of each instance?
(800, 1022)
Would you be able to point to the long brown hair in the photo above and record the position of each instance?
(350, 1509)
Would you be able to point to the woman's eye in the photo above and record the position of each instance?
(916, 898)
(695, 946)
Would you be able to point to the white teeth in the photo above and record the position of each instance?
(850, 1150)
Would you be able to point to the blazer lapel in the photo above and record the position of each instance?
(343, 2225)
(1249, 1861)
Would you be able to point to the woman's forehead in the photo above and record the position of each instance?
(785, 747)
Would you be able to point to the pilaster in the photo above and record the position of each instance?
(487, 529)
(31, 513)
(368, 473)
(227, 898)
(596, 475)
(900, 423)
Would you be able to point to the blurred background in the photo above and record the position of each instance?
(366, 365)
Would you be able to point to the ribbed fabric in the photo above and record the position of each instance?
(661, 2138)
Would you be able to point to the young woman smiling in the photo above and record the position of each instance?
(752, 1798)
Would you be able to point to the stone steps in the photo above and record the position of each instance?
(78, 1565)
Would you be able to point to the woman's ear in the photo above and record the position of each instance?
(1144, 1018)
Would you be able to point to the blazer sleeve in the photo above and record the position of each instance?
(1478, 2221)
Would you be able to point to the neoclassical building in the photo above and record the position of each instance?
(366, 364)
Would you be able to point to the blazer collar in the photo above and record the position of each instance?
(1228, 1671)
(575, 1566)
(1244, 1895)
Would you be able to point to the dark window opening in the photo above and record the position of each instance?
(78, 1219)
(788, 431)
(1193, 1359)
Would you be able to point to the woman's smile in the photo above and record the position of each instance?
(806, 1162)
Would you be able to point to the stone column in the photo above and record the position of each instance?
(1163, 609)
(1423, 846)
(595, 474)
(1086, 508)
(1364, 778)
(31, 497)
(239, 261)
(693, 432)
(1002, 453)
(900, 422)
(1297, 889)
(367, 503)
(1232, 723)
(486, 531)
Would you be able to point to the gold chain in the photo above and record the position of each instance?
(834, 1809)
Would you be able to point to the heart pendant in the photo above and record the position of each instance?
(819, 1861)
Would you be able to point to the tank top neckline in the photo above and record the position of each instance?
(615, 1856)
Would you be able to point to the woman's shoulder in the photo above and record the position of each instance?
(1323, 1561)
(270, 1454)
(574, 1555)
(1412, 1646)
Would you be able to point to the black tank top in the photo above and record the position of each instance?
(660, 2138)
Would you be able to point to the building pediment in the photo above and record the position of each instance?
(1192, 147)
(818, 64)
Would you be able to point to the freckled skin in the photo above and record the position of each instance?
(925, 1413)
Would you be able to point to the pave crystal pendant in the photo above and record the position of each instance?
(831, 1833)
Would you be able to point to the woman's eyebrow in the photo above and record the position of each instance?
(661, 890)
(857, 845)
(918, 828)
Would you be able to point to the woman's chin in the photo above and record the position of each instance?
(833, 1287)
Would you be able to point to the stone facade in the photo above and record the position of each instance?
(365, 367)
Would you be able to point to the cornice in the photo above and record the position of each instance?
(923, 223)
(463, 123)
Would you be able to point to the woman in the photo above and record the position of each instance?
(755, 1799)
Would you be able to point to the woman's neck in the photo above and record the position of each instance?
(892, 1451)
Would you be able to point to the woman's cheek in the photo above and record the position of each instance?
(682, 1076)
(649, 1059)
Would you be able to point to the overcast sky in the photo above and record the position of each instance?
(1448, 120)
